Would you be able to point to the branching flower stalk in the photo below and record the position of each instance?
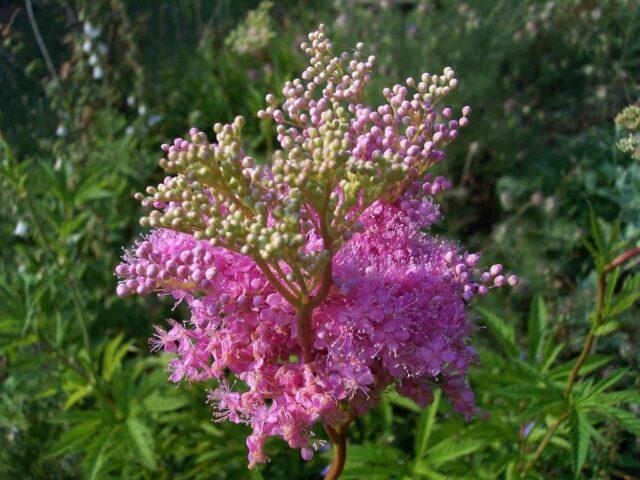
(310, 278)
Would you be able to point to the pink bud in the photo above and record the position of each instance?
(496, 270)
(472, 260)
(306, 453)
(449, 256)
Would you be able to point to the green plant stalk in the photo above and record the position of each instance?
(586, 350)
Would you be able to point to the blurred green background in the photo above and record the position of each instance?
(90, 89)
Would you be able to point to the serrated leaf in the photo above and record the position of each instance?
(501, 331)
(580, 441)
(628, 295)
(537, 327)
(614, 398)
(143, 441)
(623, 304)
(610, 381)
(627, 420)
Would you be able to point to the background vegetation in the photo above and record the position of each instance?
(88, 91)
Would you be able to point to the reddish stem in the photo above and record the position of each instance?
(338, 436)
(622, 258)
(305, 333)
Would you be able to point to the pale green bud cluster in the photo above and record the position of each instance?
(629, 122)
(338, 156)
(255, 33)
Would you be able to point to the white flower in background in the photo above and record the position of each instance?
(550, 204)
(154, 119)
(93, 60)
(61, 131)
(21, 228)
(90, 31)
(97, 72)
(142, 110)
(87, 46)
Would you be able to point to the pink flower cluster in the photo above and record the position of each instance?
(312, 279)
(396, 315)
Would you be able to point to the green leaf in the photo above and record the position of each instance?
(551, 357)
(403, 402)
(423, 470)
(161, 403)
(612, 282)
(256, 475)
(592, 363)
(75, 439)
(374, 461)
(598, 236)
(623, 304)
(627, 420)
(614, 398)
(113, 354)
(610, 381)
(502, 332)
(78, 394)
(628, 295)
(97, 455)
(607, 328)
(143, 440)
(580, 441)
(425, 425)
(452, 448)
(537, 327)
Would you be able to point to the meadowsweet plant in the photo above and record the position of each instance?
(312, 283)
